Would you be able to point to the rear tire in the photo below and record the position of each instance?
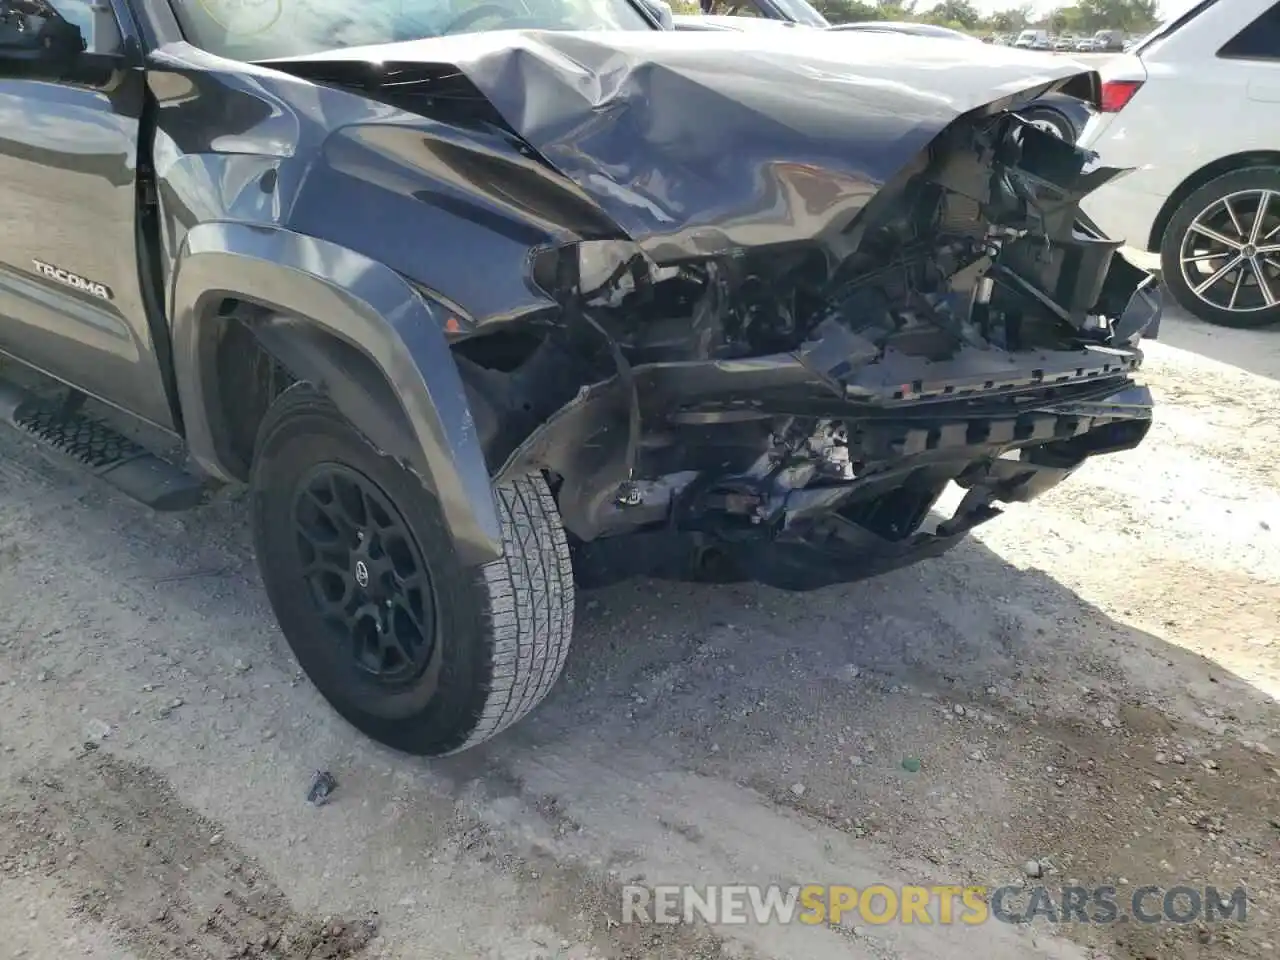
(1205, 208)
(416, 650)
(1051, 121)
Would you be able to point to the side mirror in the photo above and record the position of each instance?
(661, 11)
(36, 41)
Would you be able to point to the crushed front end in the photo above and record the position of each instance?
(792, 412)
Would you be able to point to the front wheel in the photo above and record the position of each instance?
(1220, 254)
(413, 648)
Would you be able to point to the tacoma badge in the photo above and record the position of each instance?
(66, 277)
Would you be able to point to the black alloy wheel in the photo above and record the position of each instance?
(1220, 254)
(366, 574)
(418, 650)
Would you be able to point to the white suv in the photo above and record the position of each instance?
(1195, 107)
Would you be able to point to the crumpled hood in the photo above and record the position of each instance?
(699, 143)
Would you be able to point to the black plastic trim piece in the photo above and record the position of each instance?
(97, 446)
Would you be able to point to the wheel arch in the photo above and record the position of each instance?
(355, 329)
(1207, 173)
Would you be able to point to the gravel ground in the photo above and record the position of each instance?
(1090, 684)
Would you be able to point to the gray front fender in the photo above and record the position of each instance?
(369, 307)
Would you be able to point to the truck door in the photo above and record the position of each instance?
(70, 297)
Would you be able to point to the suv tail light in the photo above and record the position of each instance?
(1117, 93)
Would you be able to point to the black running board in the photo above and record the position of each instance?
(125, 464)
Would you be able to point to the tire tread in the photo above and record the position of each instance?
(510, 621)
(530, 606)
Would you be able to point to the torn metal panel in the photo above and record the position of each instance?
(807, 283)
(698, 144)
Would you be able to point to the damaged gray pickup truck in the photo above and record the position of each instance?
(475, 296)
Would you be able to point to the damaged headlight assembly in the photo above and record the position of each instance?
(790, 417)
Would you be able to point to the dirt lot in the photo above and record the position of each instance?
(1093, 683)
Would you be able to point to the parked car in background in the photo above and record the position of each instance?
(1064, 43)
(1084, 45)
(1108, 41)
(1206, 201)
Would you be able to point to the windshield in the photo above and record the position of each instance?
(265, 29)
(799, 11)
(789, 11)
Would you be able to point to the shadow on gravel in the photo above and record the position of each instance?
(1024, 705)
(1257, 351)
(1027, 708)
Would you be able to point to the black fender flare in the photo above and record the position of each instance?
(362, 334)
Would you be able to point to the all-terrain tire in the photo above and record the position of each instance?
(1201, 200)
(503, 630)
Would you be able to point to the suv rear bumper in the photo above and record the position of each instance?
(1125, 208)
(1126, 212)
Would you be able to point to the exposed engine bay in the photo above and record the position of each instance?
(977, 329)
(778, 317)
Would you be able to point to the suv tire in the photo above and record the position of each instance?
(1051, 121)
(1206, 203)
(413, 648)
